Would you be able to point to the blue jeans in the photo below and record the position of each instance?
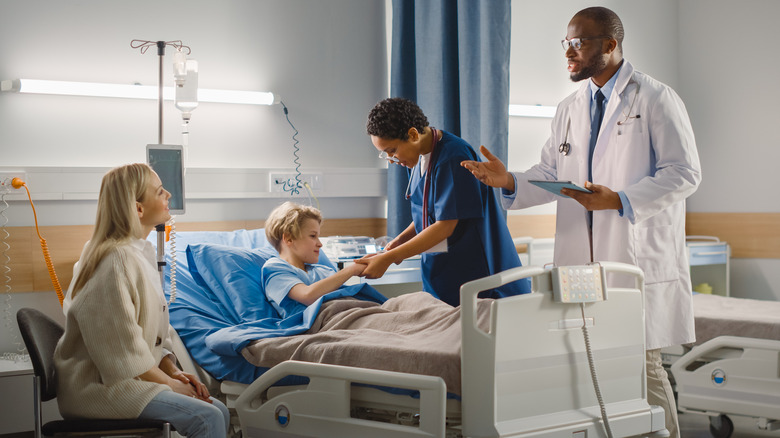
(191, 417)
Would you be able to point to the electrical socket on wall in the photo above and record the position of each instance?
(285, 182)
(6, 177)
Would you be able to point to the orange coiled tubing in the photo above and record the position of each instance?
(18, 183)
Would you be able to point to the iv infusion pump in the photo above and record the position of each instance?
(167, 161)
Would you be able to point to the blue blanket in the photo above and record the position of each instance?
(220, 305)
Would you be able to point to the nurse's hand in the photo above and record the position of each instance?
(393, 244)
(602, 197)
(492, 173)
(376, 265)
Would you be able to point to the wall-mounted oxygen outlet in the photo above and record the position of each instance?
(286, 182)
(6, 177)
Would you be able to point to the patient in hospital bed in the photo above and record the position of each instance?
(299, 310)
(294, 280)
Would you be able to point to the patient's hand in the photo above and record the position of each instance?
(355, 268)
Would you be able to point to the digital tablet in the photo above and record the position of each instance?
(556, 186)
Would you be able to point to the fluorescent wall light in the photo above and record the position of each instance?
(532, 111)
(132, 91)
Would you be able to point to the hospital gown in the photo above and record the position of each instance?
(278, 277)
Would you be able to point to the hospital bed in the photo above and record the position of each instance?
(734, 368)
(528, 375)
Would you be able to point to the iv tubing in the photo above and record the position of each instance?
(17, 183)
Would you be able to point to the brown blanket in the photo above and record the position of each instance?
(414, 333)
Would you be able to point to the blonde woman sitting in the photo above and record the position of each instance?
(110, 362)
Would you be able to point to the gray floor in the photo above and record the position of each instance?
(698, 426)
(691, 426)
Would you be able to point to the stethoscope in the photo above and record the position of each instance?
(565, 148)
(427, 184)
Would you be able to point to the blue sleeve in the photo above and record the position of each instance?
(627, 211)
(510, 197)
(456, 193)
(278, 278)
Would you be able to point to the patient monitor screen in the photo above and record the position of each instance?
(168, 162)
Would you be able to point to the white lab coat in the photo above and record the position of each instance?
(652, 158)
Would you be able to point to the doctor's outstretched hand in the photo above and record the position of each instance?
(602, 198)
(493, 172)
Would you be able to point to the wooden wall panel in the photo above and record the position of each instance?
(28, 267)
(15, 250)
(65, 244)
(538, 226)
(751, 235)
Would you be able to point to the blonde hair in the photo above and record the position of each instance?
(117, 219)
(287, 219)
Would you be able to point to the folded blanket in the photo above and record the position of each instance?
(414, 333)
(728, 316)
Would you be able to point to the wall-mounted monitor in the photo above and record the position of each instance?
(168, 161)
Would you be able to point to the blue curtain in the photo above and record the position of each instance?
(452, 58)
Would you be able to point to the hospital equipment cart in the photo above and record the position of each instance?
(709, 260)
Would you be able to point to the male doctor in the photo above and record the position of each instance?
(634, 149)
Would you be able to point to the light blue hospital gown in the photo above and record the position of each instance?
(278, 277)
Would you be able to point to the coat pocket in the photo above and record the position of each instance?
(656, 253)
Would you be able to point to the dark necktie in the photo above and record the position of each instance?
(595, 124)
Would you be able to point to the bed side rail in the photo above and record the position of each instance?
(323, 408)
(731, 375)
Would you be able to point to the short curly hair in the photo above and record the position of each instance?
(392, 118)
(288, 219)
(608, 20)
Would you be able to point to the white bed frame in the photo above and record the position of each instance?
(527, 377)
(731, 375)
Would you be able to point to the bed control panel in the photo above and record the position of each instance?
(579, 284)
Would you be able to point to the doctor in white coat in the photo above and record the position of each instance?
(643, 166)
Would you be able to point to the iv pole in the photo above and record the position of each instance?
(144, 45)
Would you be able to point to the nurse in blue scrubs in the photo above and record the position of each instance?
(457, 226)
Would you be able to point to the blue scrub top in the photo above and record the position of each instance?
(481, 244)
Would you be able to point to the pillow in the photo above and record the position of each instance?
(233, 275)
(239, 238)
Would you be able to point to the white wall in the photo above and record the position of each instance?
(729, 84)
(716, 56)
(326, 59)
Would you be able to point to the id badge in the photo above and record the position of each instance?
(439, 247)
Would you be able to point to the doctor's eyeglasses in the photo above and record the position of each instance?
(391, 158)
(576, 43)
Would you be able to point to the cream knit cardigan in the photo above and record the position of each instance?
(115, 330)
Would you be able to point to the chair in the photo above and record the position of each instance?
(40, 334)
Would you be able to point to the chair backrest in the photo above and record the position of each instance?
(40, 334)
